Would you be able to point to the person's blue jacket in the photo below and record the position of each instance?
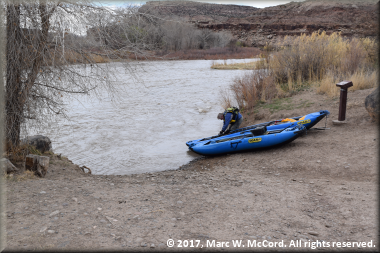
(227, 119)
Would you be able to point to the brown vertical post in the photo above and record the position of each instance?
(344, 85)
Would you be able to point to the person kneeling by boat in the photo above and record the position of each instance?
(232, 120)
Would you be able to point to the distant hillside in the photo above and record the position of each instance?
(256, 26)
(197, 12)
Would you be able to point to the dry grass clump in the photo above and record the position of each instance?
(253, 87)
(319, 59)
(72, 57)
(99, 58)
(361, 80)
(242, 65)
(264, 57)
(17, 154)
(315, 57)
(261, 63)
(27, 174)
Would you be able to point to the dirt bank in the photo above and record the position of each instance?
(321, 187)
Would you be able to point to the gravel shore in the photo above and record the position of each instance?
(322, 187)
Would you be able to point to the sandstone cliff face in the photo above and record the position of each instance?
(256, 26)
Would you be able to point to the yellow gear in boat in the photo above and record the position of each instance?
(288, 120)
(302, 118)
(293, 120)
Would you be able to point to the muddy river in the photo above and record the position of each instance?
(146, 131)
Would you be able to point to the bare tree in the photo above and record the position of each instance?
(45, 40)
(54, 47)
(169, 33)
(222, 39)
(206, 38)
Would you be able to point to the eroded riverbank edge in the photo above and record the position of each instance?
(322, 186)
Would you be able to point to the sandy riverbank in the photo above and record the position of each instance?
(322, 186)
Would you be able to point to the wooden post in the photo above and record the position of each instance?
(344, 85)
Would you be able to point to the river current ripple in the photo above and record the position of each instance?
(146, 131)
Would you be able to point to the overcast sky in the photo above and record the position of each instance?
(254, 3)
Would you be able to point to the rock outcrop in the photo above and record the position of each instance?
(372, 104)
(40, 142)
(8, 166)
(257, 27)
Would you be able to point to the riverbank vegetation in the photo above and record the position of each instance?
(318, 60)
(127, 34)
(115, 39)
(229, 52)
(219, 53)
(236, 65)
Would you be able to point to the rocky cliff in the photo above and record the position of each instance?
(256, 26)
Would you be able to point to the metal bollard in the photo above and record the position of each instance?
(344, 85)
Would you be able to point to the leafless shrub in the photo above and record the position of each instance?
(361, 80)
(225, 98)
(353, 59)
(170, 33)
(45, 42)
(253, 87)
(309, 58)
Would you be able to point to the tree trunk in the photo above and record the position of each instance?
(25, 52)
(13, 105)
(38, 164)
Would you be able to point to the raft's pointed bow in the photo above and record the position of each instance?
(313, 118)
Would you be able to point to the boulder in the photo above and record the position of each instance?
(372, 104)
(38, 164)
(40, 142)
(8, 166)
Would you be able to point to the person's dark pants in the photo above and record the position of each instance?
(237, 124)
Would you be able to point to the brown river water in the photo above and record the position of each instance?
(176, 101)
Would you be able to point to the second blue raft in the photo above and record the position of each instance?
(251, 140)
(308, 121)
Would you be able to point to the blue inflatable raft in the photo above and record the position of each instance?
(257, 138)
(308, 121)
